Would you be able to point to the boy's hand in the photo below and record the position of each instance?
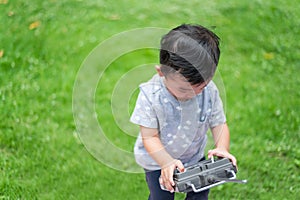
(166, 177)
(222, 153)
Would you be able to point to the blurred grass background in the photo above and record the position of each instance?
(43, 43)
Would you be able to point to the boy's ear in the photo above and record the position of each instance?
(158, 69)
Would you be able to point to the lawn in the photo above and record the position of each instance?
(53, 112)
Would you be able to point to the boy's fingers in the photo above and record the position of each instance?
(167, 175)
(167, 179)
(169, 187)
(222, 154)
(180, 166)
(170, 178)
(210, 154)
(215, 152)
(168, 183)
(234, 161)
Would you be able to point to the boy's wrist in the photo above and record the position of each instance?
(167, 162)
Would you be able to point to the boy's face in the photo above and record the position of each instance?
(180, 88)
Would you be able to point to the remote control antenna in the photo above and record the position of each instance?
(229, 180)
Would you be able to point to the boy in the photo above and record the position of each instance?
(177, 106)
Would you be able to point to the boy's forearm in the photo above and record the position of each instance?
(222, 139)
(155, 148)
(221, 136)
(157, 151)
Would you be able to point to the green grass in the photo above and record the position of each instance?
(41, 156)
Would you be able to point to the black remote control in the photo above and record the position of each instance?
(204, 175)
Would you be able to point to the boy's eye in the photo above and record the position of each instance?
(185, 90)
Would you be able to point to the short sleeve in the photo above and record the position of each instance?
(217, 114)
(143, 113)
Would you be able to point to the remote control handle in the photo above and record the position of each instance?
(231, 180)
(221, 181)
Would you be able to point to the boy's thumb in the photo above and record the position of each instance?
(180, 166)
(210, 153)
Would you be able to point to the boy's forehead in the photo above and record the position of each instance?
(179, 79)
(176, 76)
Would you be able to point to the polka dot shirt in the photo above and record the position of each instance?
(182, 126)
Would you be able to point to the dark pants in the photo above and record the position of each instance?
(156, 193)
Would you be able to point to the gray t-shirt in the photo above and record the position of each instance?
(182, 126)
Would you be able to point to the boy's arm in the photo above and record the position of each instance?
(156, 150)
(221, 137)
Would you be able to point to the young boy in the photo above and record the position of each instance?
(176, 108)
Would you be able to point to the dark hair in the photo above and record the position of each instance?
(191, 50)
